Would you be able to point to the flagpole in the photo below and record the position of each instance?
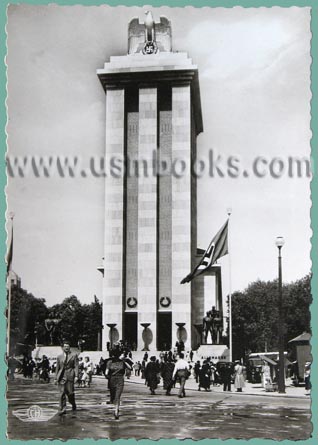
(229, 212)
(9, 296)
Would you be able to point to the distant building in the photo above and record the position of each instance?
(15, 280)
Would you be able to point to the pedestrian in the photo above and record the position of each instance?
(81, 373)
(12, 364)
(128, 373)
(226, 375)
(191, 355)
(307, 377)
(197, 368)
(88, 372)
(126, 357)
(167, 373)
(152, 374)
(102, 365)
(137, 368)
(143, 370)
(26, 366)
(45, 369)
(115, 372)
(266, 377)
(66, 374)
(30, 367)
(213, 374)
(145, 357)
(205, 377)
(25, 362)
(239, 376)
(181, 372)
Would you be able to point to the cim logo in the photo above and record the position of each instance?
(34, 414)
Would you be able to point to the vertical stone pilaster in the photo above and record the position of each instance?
(114, 202)
(147, 216)
(181, 210)
(164, 205)
(132, 211)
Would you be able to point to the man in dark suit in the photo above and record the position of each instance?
(66, 375)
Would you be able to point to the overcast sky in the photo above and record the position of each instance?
(254, 72)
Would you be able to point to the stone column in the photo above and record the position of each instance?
(147, 217)
(114, 196)
(181, 210)
(218, 292)
(218, 289)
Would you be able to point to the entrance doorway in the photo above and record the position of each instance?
(164, 331)
(130, 329)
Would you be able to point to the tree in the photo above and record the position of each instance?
(92, 324)
(77, 322)
(27, 317)
(70, 314)
(255, 315)
(297, 307)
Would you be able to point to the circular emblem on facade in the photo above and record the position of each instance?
(132, 302)
(165, 301)
(150, 48)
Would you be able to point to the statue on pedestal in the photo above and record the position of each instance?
(217, 328)
(212, 323)
(207, 327)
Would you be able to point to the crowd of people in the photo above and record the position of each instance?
(151, 369)
(206, 373)
(170, 367)
(30, 368)
(43, 369)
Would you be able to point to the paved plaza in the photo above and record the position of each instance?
(215, 414)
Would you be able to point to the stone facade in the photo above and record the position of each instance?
(114, 211)
(152, 108)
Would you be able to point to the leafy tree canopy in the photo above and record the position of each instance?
(31, 319)
(255, 317)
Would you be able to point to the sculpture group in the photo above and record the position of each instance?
(213, 325)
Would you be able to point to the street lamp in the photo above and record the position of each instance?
(281, 375)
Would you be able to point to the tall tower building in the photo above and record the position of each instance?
(153, 112)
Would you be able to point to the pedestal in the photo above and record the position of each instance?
(217, 353)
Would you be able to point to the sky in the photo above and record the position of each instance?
(254, 73)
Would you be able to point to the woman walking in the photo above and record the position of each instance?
(151, 373)
(115, 371)
(205, 376)
(166, 373)
(239, 382)
(88, 372)
(266, 377)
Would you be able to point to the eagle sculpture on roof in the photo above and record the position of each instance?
(141, 35)
(150, 27)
